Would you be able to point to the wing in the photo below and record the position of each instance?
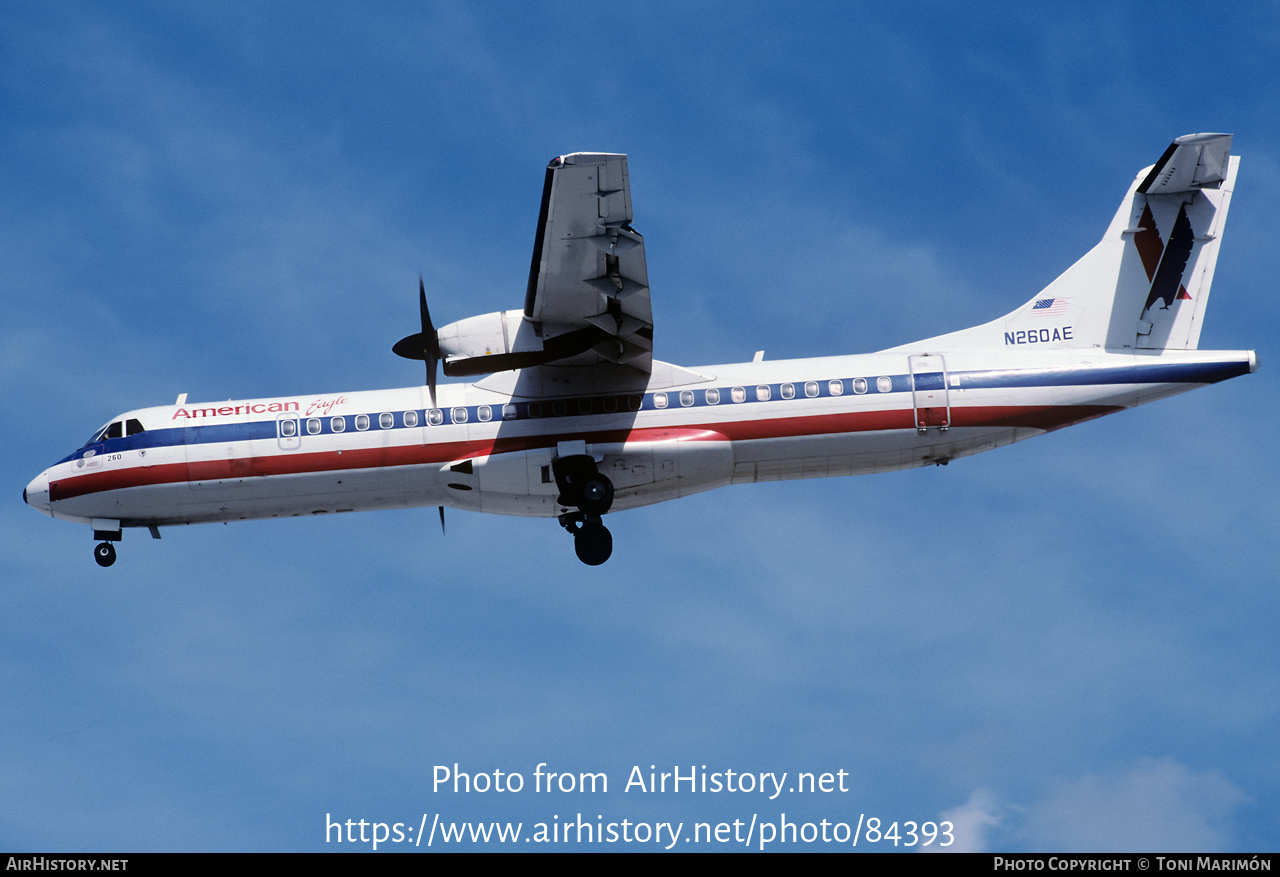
(588, 284)
(587, 302)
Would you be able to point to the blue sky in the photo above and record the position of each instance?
(1068, 644)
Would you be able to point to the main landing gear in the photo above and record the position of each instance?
(582, 485)
(592, 541)
(104, 553)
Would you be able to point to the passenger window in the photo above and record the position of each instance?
(459, 415)
(686, 398)
(659, 400)
(739, 394)
(713, 397)
(508, 412)
(635, 402)
(313, 425)
(386, 421)
(484, 413)
(362, 421)
(763, 393)
(859, 385)
(788, 391)
(559, 408)
(435, 416)
(535, 409)
(584, 406)
(811, 389)
(338, 424)
(288, 428)
(610, 404)
(883, 384)
(411, 418)
(836, 388)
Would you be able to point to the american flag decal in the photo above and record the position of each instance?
(1050, 306)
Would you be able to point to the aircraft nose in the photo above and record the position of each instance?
(36, 494)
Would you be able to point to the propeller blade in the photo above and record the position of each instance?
(441, 520)
(424, 345)
(430, 344)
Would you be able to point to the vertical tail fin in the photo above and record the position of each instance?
(1146, 283)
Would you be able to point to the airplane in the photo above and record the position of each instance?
(572, 417)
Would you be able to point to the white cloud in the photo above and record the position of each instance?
(1150, 806)
(970, 822)
(1153, 806)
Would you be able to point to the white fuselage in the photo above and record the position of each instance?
(489, 451)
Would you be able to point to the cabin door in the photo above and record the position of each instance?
(929, 392)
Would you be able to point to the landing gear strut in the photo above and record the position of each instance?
(104, 553)
(582, 485)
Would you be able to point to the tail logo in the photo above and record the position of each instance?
(1164, 264)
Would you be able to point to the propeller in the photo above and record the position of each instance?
(423, 345)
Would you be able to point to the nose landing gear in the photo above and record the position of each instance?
(581, 484)
(106, 531)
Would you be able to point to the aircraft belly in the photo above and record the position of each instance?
(642, 473)
(680, 468)
(827, 456)
(306, 493)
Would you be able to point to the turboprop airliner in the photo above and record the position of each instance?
(572, 418)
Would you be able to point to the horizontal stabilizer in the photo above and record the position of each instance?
(1192, 162)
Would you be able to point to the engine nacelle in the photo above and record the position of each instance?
(506, 340)
(484, 335)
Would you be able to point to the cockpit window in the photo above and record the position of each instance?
(97, 436)
(133, 426)
(113, 430)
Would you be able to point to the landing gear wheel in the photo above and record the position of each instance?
(593, 543)
(105, 553)
(596, 496)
